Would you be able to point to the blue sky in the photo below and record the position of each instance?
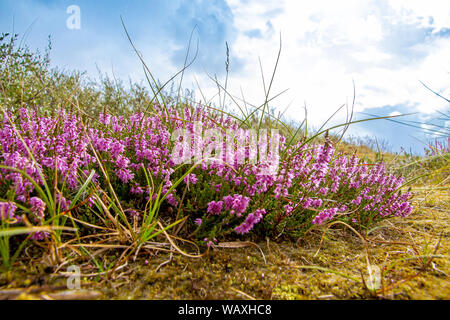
(385, 47)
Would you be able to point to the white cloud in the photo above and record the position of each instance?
(383, 47)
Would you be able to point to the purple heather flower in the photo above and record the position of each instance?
(288, 209)
(237, 203)
(172, 200)
(63, 202)
(134, 214)
(326, 214)
(250, 221)
(357, 201)
(7, 210)
(191, 178)
(40, 235)
(209, 242)
(37, 207)
(317, 203)
(122, 162)
(136, 189)
(91, 202)
(308, 203)
(125, 175)
(198, 222)
(215, 207)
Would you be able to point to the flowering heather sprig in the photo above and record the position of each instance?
(237, 203)
(250, 221)
(191, 178)
(326, 214)
(7, 210)
(134, 214)
(209, 242)
(136, 189)
(40, 235)
(37, 207)
(215, 207)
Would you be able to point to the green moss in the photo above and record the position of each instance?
(242, 273)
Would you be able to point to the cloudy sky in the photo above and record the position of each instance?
(386, 48)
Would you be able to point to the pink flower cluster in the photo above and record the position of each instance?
(236, 203)
(7, 210)
(250, 221)
(37, 207)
